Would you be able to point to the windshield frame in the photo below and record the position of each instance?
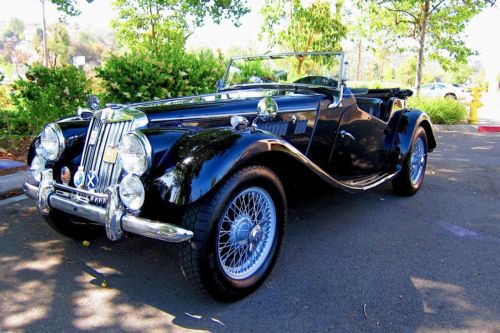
(284, 54)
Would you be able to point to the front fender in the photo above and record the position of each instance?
(409, 122)
(204, 159)
(74, 131)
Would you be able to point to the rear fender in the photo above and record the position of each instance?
(408, 124)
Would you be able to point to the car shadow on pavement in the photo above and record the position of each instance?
(348, 263)
(320, 281)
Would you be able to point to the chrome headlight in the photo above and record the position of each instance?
(132, 192)
(37, 166)
(134, 153)
(52, 142)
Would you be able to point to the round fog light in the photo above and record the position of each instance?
(132, 192)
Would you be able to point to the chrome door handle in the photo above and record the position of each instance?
(343, 134)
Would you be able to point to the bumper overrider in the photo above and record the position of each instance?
(113, 217)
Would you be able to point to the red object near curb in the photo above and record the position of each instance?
(488, 128)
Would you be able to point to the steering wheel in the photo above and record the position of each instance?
(318, 80)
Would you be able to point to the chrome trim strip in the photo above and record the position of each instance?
(382, 180)
(229, 115)
(197, 99)
(174, 99)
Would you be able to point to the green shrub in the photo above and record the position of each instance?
(142, 77)
(10, 122)
(441, 110)
(46, 95)
(4, 97)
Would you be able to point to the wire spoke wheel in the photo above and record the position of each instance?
(246, 232)
(418, 160)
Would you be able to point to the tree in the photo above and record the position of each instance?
(435, 26)
(152, 24)
(461, 73)
(14, 30)
(11, 36)
(290, 25)
(58, 44)
(69, 7)
(45, 46)
(88, 45)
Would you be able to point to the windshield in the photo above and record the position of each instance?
(315, 68)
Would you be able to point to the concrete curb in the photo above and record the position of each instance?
(456, 128)
(467, 128)
(13, 183)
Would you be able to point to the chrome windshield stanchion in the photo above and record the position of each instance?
(114, 214)
(45, 190)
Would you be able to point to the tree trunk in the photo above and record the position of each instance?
(45, 48)
(300, 59)
(153, 26)
(358, 67)
(421, 45)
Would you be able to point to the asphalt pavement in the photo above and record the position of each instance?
(349, 263)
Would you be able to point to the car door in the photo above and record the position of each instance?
(426, 90)
(440, 90)
(358, 144)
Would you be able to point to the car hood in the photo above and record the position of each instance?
(224, 104)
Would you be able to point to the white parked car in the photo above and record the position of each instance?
(440, 89)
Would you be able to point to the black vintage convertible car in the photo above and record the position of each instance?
(212, 172)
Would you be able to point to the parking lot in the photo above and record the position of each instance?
(349, 263)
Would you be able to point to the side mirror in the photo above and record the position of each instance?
(220, 84)
(93, 103)
(267, 109)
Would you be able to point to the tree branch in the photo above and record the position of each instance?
(397, 10)
(436, 6)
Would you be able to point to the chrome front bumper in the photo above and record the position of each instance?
(114, 217)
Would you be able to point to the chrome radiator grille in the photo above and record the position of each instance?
(103, 136)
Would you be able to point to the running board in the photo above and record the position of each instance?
(366, 183)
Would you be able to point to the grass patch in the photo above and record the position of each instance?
(444, 111)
